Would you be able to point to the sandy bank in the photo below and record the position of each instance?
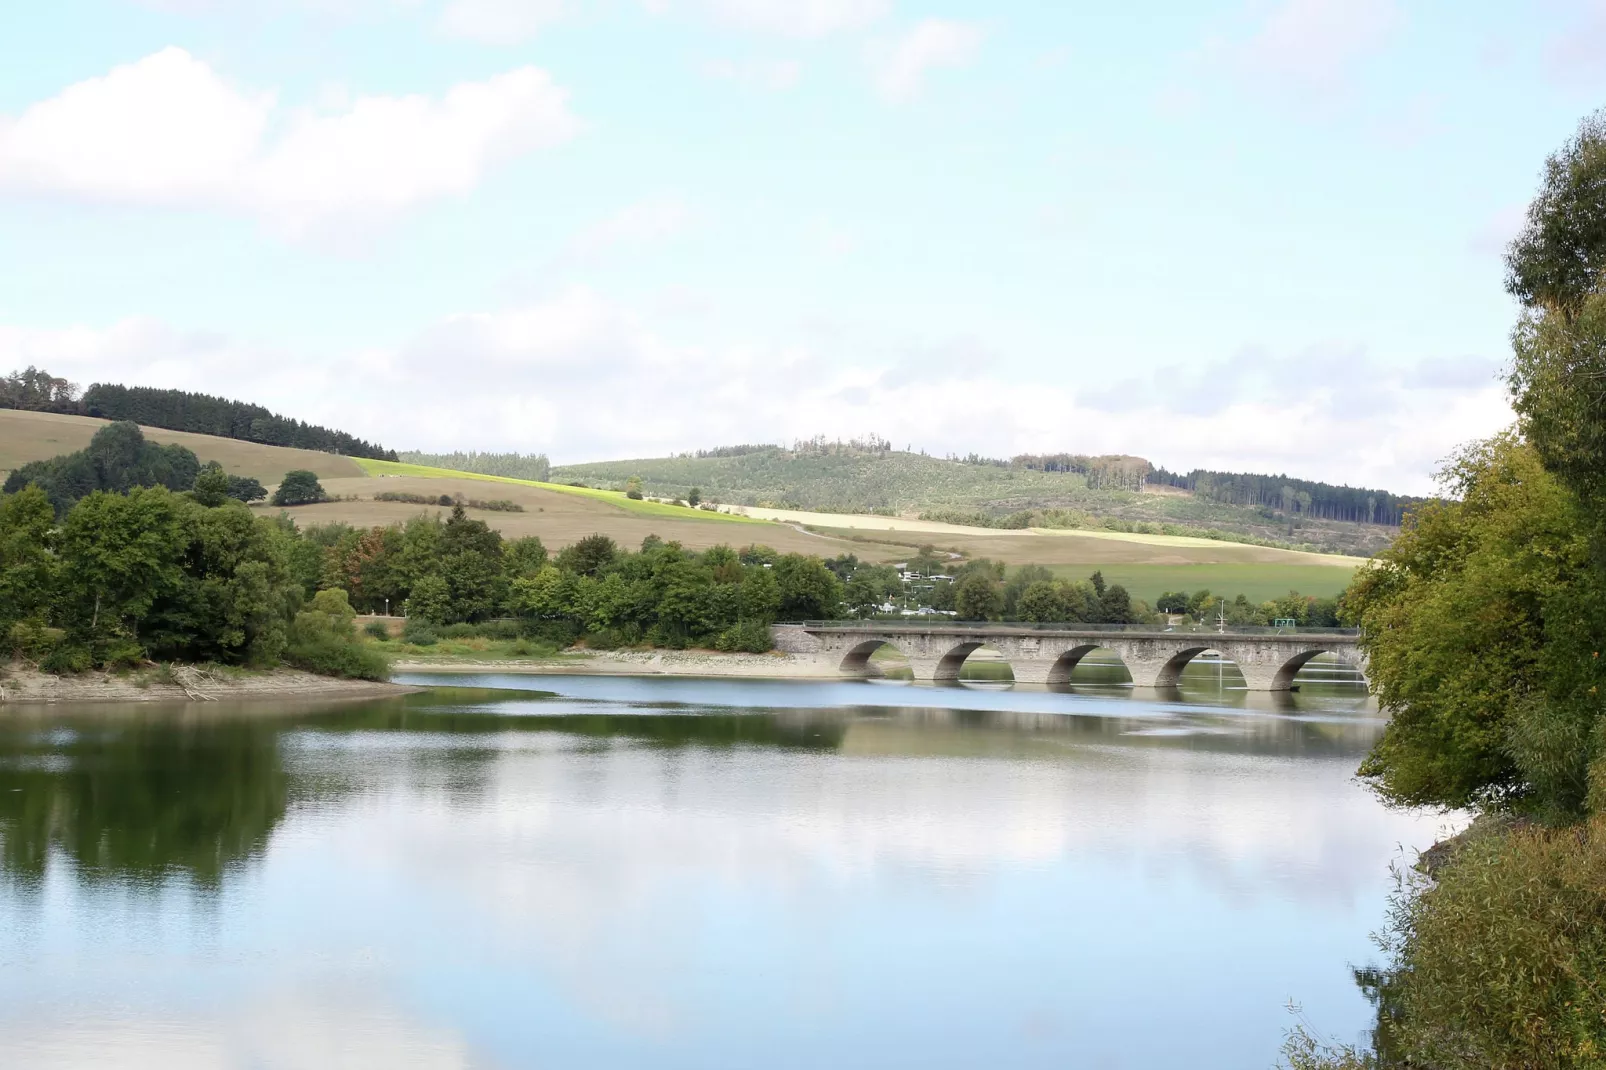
(637, 663)
(21, 685)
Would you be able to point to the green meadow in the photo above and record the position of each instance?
(1255, 581)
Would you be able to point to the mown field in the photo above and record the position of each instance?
(37, 436)
(558, 515)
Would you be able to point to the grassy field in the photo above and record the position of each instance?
(612, 497)
(38, 436)
(1256, 582)
(556, 514)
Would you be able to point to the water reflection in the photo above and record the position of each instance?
(682, 873)
(142, 797)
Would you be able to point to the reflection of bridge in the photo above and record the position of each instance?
(1047, 654)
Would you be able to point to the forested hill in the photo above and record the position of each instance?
(202, 414)
(1030, 490)
(1289, 495)
(36, 390)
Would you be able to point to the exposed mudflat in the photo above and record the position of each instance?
(21, 685)
(638, 663)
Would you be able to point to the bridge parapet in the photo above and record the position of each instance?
(1268, 658)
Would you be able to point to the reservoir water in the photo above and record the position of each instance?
(677, 873)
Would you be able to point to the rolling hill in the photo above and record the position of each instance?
(561, 514)
(843, 479)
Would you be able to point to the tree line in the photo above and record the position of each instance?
(203, 414)
(1301, 497)
(1484, 626)
(531, 466)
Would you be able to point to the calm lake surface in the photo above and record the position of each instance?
(666, 873)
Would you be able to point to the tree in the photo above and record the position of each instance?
(633, 488)
(1097, 580)
(588, 556)
(299, 487)
(211, 485)
(246, 489)
(524, 557)
(694, 497)
(1115, 606)
(809, 590)
(760, 596)
(1557, 261)
(1481, 641)
(431, 599)
(1041, 602)
(27, 565)
(976, 597)
(1172, 602)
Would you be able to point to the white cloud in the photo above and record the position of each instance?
(164, 129)
(802, 19)
(501, 21)
(646, 222)
(167, 130)
(901, 69)
(1316, 44)
(768, 74)
(583, 378)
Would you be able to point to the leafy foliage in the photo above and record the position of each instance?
(299, 487)
(1466, 619)
(116, 459)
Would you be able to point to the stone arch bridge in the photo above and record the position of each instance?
(1039, 654)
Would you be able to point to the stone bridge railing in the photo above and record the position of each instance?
(1047, 654)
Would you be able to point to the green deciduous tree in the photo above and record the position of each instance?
(299, 487)
(977, 597)
(1465, 619)
(1041, 602)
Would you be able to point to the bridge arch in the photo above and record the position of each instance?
(1171, 672)
(1066, 663)
(953, 660)
(856, 662)
(1283, 678)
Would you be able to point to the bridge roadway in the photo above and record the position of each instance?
(1046, 655)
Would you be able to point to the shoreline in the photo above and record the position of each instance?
(776, 666)
(20, 686)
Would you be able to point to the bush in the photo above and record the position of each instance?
(68, 658)
(35, 641)
(337, 656)
(1497, 962)
(633, 494)
(1504, 956)
(323, 640)
(419, 632)
(377, 629)
(749, 637)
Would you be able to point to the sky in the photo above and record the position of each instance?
(1244, 234)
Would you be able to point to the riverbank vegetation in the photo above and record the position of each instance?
(1484, 627)
(150, 575)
